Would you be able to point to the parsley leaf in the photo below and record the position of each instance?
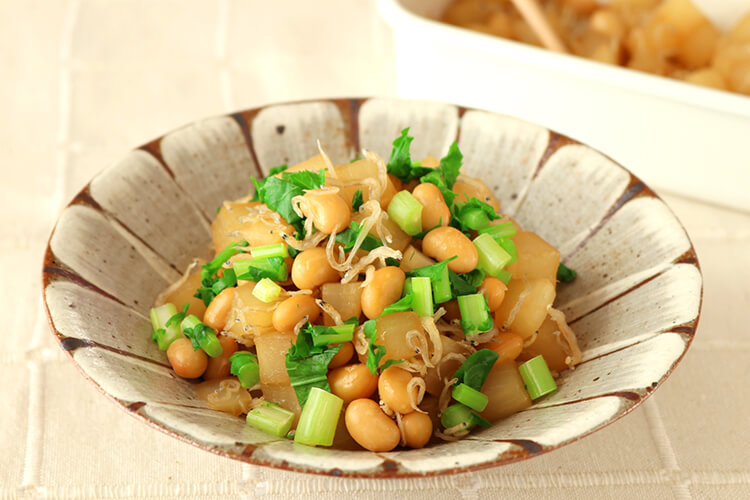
(307, 365)
(445, 176)
(450, 165)
(439, 279)
(273, 268)
(461, 209)
(271, 173)
(211, 283)
(473, 372)
(306, 179)
(357, 200)
(400, 164)
(565, 274)
(277, 193)
(460, 285)
(244, 365)
(277, 170)
(201, 336)
(324, 335)
(177, 318)
(348, 236)
(375, 352)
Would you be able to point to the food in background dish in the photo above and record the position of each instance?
(369, 304)
(664, 37)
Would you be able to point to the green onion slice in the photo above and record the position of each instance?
(320, 415)
(537, 377)
(271, 418)
(475, 314)
(406, 211)
(470, 397)
(266, 290)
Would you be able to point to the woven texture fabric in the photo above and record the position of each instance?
(84, 81)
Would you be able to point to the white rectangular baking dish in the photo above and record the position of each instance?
(677, 137)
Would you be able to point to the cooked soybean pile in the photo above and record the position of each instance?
(395, 294)
(664, 37)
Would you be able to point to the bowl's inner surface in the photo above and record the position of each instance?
(134, 229)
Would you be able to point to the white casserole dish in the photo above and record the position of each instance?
(678, 137)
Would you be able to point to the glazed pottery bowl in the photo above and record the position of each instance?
(137, 225)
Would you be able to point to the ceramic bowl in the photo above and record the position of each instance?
(133, 229)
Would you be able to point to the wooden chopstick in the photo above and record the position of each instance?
(532, 13)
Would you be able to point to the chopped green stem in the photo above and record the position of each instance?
(474, 371)
(455, 415)
(266, 290)
(324, 335)
(509, 247)
(406, 211)
(201, 336)
(504, 230)
(267, 251)
(470, 397)
(439, 279)
(459, 414)
(475, 314)
(504, 276)
(244, 365)
(492, 257)
(475, 219)
(274, 268)
(422, 290)
(164, 334)
(320, 415)
(228, 280)
(211, 284)
(565, 274)
(271, 418)
(537, 377)
(213, 267)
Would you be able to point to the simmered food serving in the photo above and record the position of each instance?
(664, 37)
(369, 305)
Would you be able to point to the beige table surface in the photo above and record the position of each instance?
(83, 81)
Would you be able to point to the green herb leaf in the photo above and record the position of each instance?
(357, 200)
(177, 318)
(259, 183)
(277, 170)
(445, 176)
(439, 278)
(323, 335)
(476, 419)
(307, 365)
(450, 165)
(209, 274)
(565, 274)
(277, 193)
(305, 178)
(460, 211)
(401, 305)
(348, 236)
(465, 284)
(400, 164)
(201, 336)
(390, 362)
(274, 268)
(473, 372)
(244, 365)
(375, 352)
